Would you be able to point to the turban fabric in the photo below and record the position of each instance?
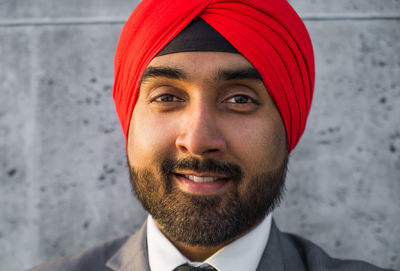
(268, 33)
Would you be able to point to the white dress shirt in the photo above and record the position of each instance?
(242, 254)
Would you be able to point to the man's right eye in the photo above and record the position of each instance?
(166, 98)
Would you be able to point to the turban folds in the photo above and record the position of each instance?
(268, 33)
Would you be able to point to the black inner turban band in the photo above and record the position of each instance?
(198, 36)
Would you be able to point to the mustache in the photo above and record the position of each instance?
(170, 166)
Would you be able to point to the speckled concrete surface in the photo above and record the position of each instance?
(343, 7)
(63, 178)
(344, 180)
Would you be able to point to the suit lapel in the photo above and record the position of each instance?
(132, 255)
(281, 253)
(272, 260)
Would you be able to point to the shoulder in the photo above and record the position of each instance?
(315, 258)
(90, 259)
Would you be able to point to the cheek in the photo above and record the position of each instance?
(259, 143)
(149, 139)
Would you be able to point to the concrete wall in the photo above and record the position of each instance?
(63, 179)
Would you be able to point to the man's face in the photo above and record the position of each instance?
(206, 146)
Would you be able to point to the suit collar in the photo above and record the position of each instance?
(279, 250)
(133, 254)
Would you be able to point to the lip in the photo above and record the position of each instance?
(205, 188)
(202, 174)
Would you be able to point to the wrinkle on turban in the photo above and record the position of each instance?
(269, 33)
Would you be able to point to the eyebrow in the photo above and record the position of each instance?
(166, 72)
(221, 75)
(238, 74)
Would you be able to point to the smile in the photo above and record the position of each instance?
(191, 183)
(197, 179)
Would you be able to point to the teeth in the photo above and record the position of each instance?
(201, 179)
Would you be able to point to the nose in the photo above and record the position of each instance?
(200, 134)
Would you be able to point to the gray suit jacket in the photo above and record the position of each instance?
(284, 252)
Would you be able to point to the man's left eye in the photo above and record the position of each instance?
(240, 99)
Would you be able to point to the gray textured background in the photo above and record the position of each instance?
(63, 179)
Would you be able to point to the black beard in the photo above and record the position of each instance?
(207, 220)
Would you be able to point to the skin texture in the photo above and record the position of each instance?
(205, 114)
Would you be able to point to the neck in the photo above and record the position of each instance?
(199, 253)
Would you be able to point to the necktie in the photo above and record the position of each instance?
(186, 267)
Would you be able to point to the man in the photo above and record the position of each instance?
(212, 97)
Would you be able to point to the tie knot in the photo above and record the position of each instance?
(187, 267)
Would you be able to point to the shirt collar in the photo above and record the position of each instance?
(163, 255)
(242, 254)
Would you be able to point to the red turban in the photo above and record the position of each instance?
(269, 33)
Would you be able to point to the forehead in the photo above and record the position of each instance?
(199, 62)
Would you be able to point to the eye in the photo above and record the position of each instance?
(166, 98)
(240, 99)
